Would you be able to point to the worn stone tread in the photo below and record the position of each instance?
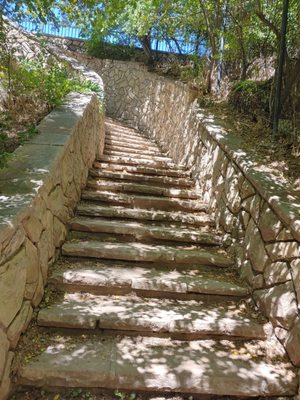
(127, 187)
(138, 169)
(94, 276)
(140, 201)
(130, 134)
(121, 144)
(144, 231)
(131, 141)
(145, 252)
(94, 210)
(147, 155)
(191, 319)
(156, 364)
(159, 163)
(127, 135)
(120, 151)
(123, 175)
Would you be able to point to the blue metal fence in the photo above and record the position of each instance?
(168, 46)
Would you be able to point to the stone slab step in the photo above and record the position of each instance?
(95, 210)
(204, 367)
(147, 155)
(137, 169)
(161, 163)
(189, 320)
(130, 141)
(145, 252)
(145, 231)
(125, 277)
(140, 157)
(102, 184)
(148, 202)
(127, 132)
(121, 133)
(142, 178)
(118, 150)
(120, 144)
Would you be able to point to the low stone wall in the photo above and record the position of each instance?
(38, 192)
(256, 208)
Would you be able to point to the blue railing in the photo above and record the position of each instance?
(168, 46)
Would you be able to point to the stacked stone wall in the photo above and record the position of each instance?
(255, 207)
(39, 190)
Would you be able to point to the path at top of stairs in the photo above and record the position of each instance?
(145, 296)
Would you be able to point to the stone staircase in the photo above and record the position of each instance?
(145, 296)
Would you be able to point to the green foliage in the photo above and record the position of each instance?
(27, 134)
(124, 396)
(100, 49)
(81, 394)
(252, 98)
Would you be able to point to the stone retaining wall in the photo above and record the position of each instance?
(38, 192)
(250, 203)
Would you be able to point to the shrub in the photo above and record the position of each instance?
(252, 98)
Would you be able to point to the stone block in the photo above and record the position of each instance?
(295, 229)
(278, 304)
(256, 281)
(295, 271)
(39, 292)
(19, 324)
(255, 247)
(246, 189)
(56, 203)
(284, 235)
(32, 262)
(245, 218)
(59, 232)
(226, 219)
(11, 246)
(252, 206)
(283, 251)
(233, 199)
(292, 343)
(33, 228)
(269, 224)
(4, 347)
(12, 287)
(5, 385)
(277, 272)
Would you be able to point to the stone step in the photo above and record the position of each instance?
(122, 150)
(161, 163)
(137, 169)
(140, 141)
(128, 187)
(142, 178)
(94, 210)
(203, 367)
(137, 154)
(129, 133)
(115, 277)
(145, 252)
(120, 144)
(138, 157)
(143, 231)
(185, 320)
(148, 202)
(121, 132)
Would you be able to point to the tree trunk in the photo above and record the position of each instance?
(292, 74)
(146, 43)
